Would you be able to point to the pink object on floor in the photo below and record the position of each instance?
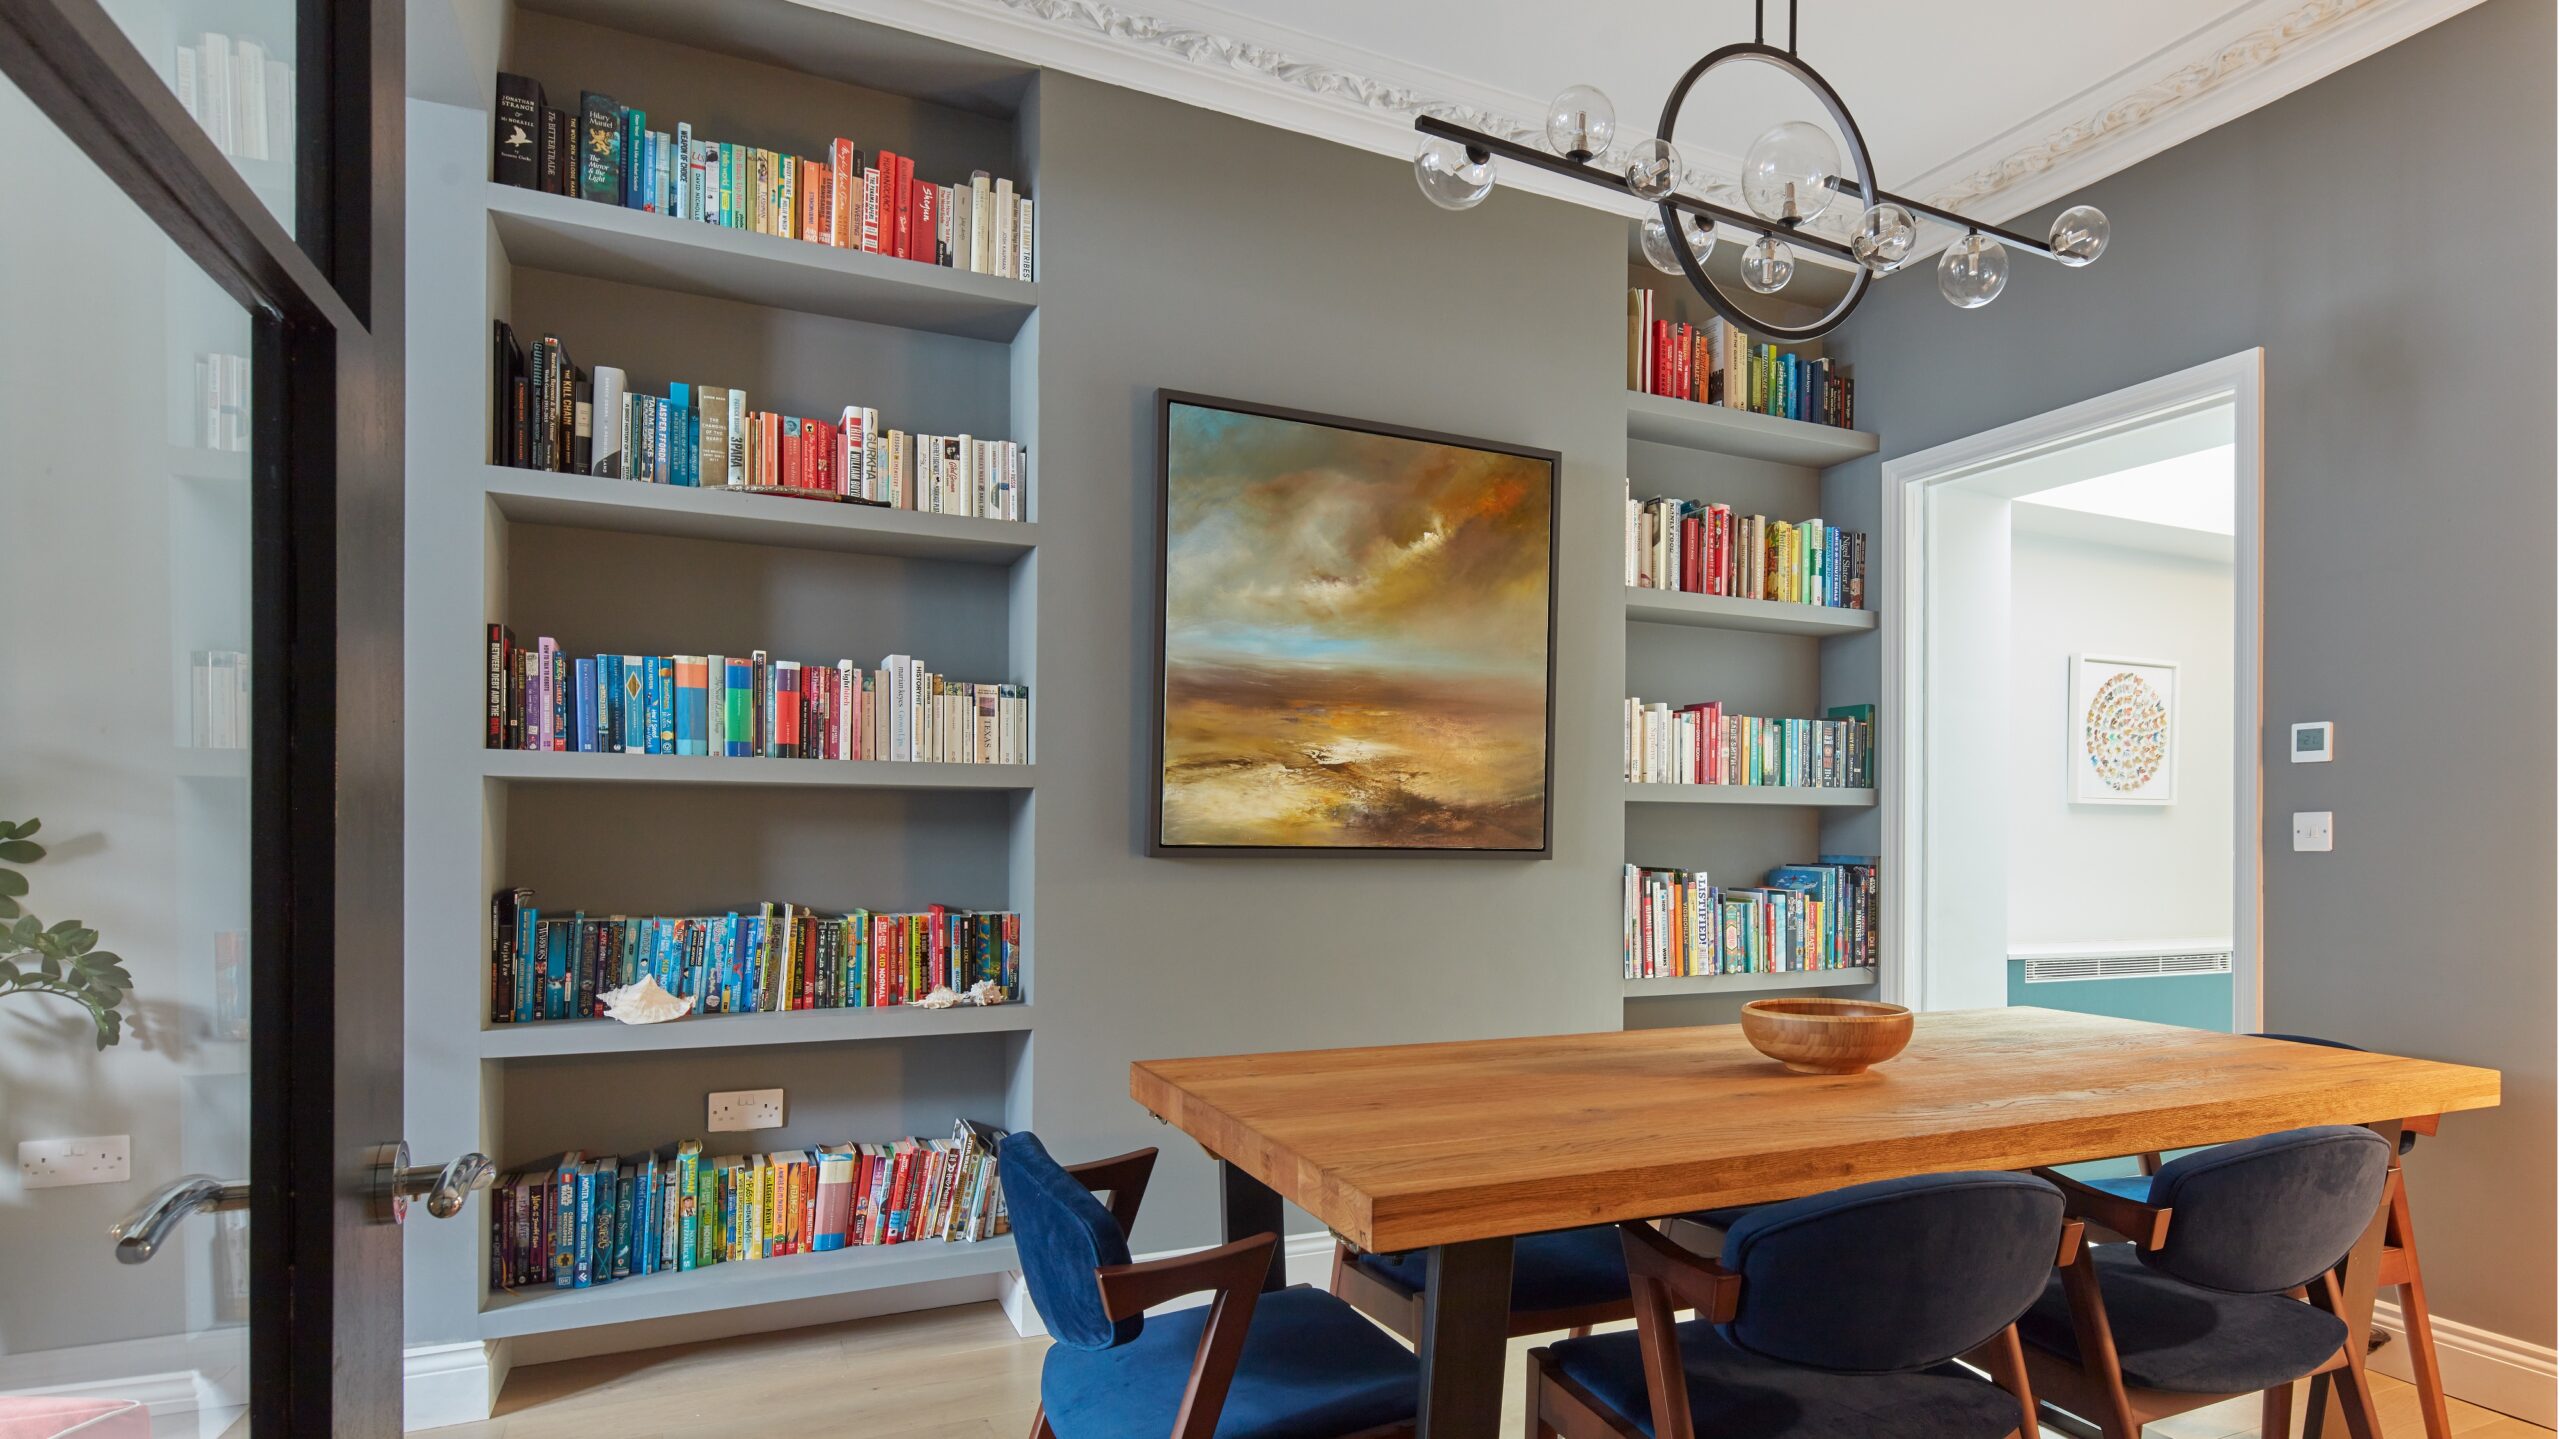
(40, 1417)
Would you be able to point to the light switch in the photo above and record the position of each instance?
(2311, 830)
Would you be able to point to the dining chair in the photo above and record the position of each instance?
(1570, 1279)
(2399, 1268)
(1291, 1364)
(2218, 1281)
(1830, 1315)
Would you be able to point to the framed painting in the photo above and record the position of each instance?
(1355, 636)
(2123, 730)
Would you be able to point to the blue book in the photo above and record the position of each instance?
(626, 1193)
(742, 679)
(582, 718)
(635, 706)
(649, 702)
(609, 685)
(644, 1203)
(528, 963)
(608, 1171)
(564, 1222)
(634, 147)
(662, 668)
(679, 430)
(556, 963)
(583, 1242)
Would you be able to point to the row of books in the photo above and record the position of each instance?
(550, 413)
(217, 700)
(608, 152)
(222, 402)
(242, 96)
(1717, 364)
(775, 958)
(750, 707)
(579, 1220)
(1803, 917)
(1701, 744)
(1706, 548)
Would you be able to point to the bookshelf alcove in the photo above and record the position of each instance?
(1760, 657)
(608, 565)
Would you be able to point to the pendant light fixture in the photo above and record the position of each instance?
(1791, 176)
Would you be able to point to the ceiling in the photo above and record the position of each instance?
(1993, 107)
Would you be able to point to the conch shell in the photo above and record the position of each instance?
(645, 1003)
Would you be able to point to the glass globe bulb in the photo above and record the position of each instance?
(1786, 173)
(1580, 123)
(1450, 179)
(1768, 265)
(2079, 235)
(1653, 168)
(1656, 240)
(1972, 272)
(1885, 236)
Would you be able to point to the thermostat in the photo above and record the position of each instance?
(2311, 742)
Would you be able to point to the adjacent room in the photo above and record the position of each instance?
(1019, 719)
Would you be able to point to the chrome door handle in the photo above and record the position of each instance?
(140, 1234)
(444, 1187)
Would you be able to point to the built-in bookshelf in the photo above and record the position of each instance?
(1757, 656)
(605, 563)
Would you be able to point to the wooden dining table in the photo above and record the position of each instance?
(1455, 1148)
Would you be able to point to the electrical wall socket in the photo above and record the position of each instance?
(55, 1163)
(736, 1109)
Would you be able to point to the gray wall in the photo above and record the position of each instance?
(2402, 288)
(1188, 249)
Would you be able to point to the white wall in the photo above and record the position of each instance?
(2083, 874)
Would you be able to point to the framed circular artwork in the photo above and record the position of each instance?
(2123, 730)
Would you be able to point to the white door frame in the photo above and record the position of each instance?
(2239, 379)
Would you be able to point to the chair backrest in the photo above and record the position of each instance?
(1894, 1275)
(1062, 1234)
(2309, 1039)
(2260, 1216)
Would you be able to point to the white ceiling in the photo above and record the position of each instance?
(1994, 107)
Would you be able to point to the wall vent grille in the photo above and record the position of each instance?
(2062, 969)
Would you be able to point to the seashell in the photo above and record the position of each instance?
(941, 998)
(986, 991)
(645, 1003)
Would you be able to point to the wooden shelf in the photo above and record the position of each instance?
(1770, 794)
(1734, 983)
(591, 502)
(571, 768)
(1724, 612)
(729, 1031)
(1749, 434)
(738, 1285)
(633, 247)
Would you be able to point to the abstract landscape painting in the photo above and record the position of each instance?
(1356, 632)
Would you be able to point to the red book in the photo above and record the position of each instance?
(937, 963)
(1693, 554)
(791, 452)
(928, 245)
(1661, 357)
(822, 451)
(904, 188)
(786, 708)
(809, 962)
(1680, 353)
(843, 194)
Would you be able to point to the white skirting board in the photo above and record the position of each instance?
(2480, 1367)
(456, 1383)
(191, 1384)
(1306, 1259)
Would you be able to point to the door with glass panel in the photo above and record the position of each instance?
(199, 691)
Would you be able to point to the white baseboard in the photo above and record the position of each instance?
(190, 1383)
(454, 1383)
(2480, 1367)
(1305, 1259)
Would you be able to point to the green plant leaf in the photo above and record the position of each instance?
(20, 851)
(12, 882)
(50, 968)
(26, 931)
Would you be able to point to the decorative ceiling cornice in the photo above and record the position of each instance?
(1197, 52)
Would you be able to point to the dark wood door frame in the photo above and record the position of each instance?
(325, 768)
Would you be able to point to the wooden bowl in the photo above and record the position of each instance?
(1826, 1036)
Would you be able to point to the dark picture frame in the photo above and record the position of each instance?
(1553, 460)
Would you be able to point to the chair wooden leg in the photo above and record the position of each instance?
(1040, 1424)
(1534, 1425)
(2415, 1321)
(2275, 1414)
(2355, 1395)
(2097, 1344)
(1341, 1256)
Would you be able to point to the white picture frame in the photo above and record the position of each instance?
(2135, 756)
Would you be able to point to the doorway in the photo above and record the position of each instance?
(2072, 789)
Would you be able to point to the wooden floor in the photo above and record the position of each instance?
(964, 1374)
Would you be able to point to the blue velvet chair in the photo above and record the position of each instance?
(1834, 1315)
(2218, 1281)
(1570, 1279)
(1292, 1364)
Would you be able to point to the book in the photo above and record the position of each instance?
(603, 151)
(1704, 547)
(1802, 918)
(1714, 363)
(1702, 744)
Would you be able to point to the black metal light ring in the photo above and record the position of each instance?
(1707, 289)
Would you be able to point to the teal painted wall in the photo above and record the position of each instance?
(2198, 1001)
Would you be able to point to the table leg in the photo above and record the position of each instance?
(1247, 1207)
(1466, 1317)
(2327, 1414)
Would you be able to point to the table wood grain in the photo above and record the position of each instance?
(1408, 1146)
